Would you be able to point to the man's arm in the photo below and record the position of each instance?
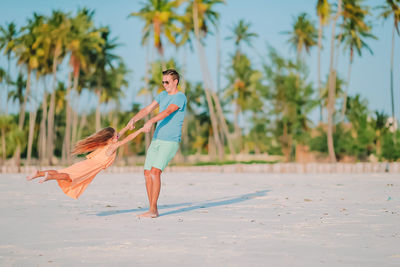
(170, 109)
(143, 112)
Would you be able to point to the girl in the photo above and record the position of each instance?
(74, 179)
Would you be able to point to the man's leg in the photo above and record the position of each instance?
(153, 186)
(155, 191)
(149, 184)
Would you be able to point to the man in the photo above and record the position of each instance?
(166, 138)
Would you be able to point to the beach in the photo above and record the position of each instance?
(206, 219)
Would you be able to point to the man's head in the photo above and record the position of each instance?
(170, 80)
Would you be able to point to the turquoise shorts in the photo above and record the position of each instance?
(160, 153)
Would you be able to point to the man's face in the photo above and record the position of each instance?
(169, 83)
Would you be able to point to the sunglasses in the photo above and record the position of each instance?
(165, 82)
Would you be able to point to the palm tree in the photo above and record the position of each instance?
(291, 99)
(43, 46)
(28, 55)
(304, 34)
(243, 89)
(323, 12)
(82, 40)
(116, 80)
(392, 9)
(17, 95)
(240, 78)
(241, 33)
(103, 61)
(59, 26)
(159, 17)
(8, 35)
(198, 14)
(354, 32)
(2, 76)
(332, 86)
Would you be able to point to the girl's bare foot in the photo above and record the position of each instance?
(45, 178)
(32, 176)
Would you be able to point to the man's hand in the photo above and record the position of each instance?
(131, 125)
(147, 126)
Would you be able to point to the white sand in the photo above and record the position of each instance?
(207, 219)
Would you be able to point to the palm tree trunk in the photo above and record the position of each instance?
(98, 118)
(17, 154)
(147, 138)
(7, 81)
(82, 124)
(207, 84)
(285, 143)
(236, 122)
(75, 119)
(185, 128)
(319, 68)
(42, 134)
(346, 91)
(50, 119)
(378, 143)
(75, 89)
(224, 125)
(339, 40)
(211, 145)
(391, 77)
(3, 144)
(32, 122)
(218, 59)
(67, 135)
(237, 128)
(50, 127)
(214, 125)
(23, 107)
(332, 87)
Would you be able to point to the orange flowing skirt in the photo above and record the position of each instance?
(81, 173)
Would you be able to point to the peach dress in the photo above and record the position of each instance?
(83, 172)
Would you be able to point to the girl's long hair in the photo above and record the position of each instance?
(94, 141)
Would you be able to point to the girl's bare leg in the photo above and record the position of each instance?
(55, 176)
(38, 173)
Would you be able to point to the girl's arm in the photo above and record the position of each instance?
(127, 139)
(123, 131)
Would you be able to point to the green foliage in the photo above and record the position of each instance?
(391, 146)
(291, 99)
(275, 102)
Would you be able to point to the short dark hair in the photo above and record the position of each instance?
(173, 73)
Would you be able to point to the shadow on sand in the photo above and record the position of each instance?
(189, 206)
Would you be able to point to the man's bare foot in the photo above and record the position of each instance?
(148, 214)
(45, 178)
(32, 176)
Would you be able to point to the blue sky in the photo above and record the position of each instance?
(370, 74)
